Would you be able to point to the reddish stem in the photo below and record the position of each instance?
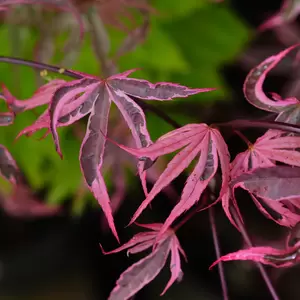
(218, 252)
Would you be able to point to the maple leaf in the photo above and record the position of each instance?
(40, 97)
(267, 149)
(288, 109)
(198, 140)
(116, 161)
(277, 258)
(288, 13)
(274, 190)
(144, 271)
(89, 95)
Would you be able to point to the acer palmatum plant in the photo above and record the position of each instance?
(274, 188)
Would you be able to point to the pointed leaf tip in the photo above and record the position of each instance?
(253, 85)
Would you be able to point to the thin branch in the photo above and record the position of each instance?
(40, 66)
(260, 124)
(211, 212)
(249, 244)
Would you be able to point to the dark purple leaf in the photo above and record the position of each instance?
(91, 153)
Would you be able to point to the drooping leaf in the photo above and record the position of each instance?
(274, 183)
(266, 255)
(141, 273)
(271, 188)
(91, 154)
(144, 271)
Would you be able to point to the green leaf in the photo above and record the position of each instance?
(170, 9)
(208, 38)
(158, 52)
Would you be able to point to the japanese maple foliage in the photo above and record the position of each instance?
(200, 141)
(269, 170)
(145, 270)
(267, 149)
(88, 95)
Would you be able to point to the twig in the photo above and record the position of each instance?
(211, 212)
(249, 244)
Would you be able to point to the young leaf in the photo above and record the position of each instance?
(144, 271)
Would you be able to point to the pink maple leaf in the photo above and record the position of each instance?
(274, 190)
(288, 109)
(197, 140)
(89, 95)
(277, 258)
(41, 96)
(288, 13)
(270, 148)
(117, 161)
(144, 271)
